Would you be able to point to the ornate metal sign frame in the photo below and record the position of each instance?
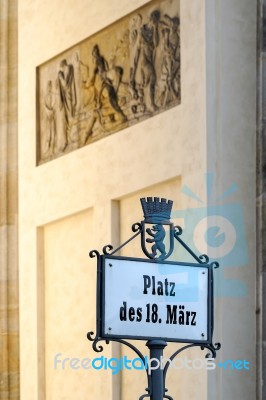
(157, 213)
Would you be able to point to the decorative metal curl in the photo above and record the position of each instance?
(90, 336)
(217, 346)
(215, 264)
(173, 356)
(204, 259)
(167, 396)
(94, 253)
(213, 348)
(107, 249)
(131, 346)
(178, 230)
(149, 395)
(137, 351)
(145, 395)
(136, 227)
(141, 356)
(95, 341)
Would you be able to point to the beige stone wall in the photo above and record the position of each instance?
(231, 115)
(88, 198)
(9, 329)
(69, 306)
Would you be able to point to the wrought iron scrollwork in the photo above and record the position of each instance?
(95, 341)
(202, 259)
(107, 249)
(145, 395)
(213, 348)
(94, 253)
(215, 264)
(168, 397)
(136, 228)
(178, 230)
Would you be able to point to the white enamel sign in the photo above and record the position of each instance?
(144, 300)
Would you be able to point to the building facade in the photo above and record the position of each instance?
(193, 141)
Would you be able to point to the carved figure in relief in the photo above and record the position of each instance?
(174, 39)
(134, 42)
(103, 100)
(101, 69)
(49, 106)
(81, 74)
(67, 93)
(147, 38)
(171, 58)
(170, 69)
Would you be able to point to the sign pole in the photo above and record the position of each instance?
(156, 348)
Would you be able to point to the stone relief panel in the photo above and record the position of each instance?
(122, 75)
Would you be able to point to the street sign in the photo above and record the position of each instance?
(147, 300)
(153, 299)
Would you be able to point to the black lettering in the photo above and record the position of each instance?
(154, 315)
(166, 287)
(139, 314)
(171, 314)
(172, 285)
(193, 314)
(187, 317)
(147, 283)
(160, 288)
(181, 319)
(123, 312)
(148, 306)
(131, 314)
(153, 285)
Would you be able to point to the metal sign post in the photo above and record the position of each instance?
(152, 298)
(157, 379)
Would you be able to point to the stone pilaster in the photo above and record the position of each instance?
(9, 317)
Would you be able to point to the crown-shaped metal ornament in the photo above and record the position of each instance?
(156, 210)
